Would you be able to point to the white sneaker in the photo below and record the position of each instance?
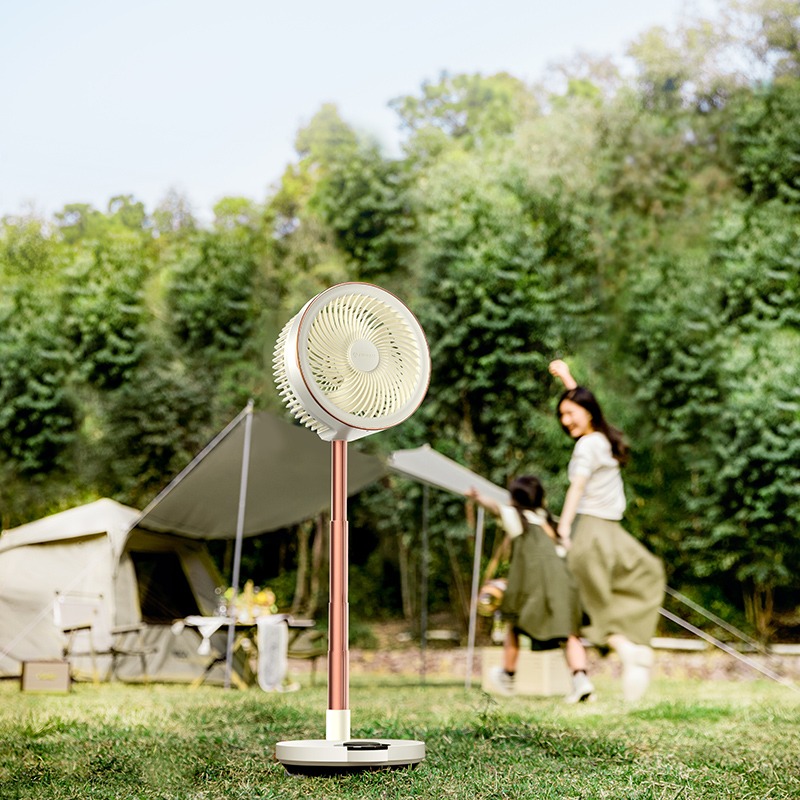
(582, 689)
(501, 681)
(637, 661)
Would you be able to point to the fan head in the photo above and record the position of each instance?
(352, 362)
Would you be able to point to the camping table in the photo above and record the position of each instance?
(207, 627)
(246, 637)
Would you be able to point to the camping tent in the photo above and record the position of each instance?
(87, 561)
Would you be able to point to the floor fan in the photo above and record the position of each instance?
(352, 362)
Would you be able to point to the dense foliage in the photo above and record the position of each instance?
(646, 228)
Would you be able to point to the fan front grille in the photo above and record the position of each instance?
(363, 356)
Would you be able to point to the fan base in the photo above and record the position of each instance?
(322, 757)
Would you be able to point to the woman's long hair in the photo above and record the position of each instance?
(584, 398)
(527, 494)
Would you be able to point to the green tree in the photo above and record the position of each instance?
(127, 212)
(765, 141)
(346, 185)
(769, 30)
(755, 500)
(104, 311)
(174, 217)
(675, 343)
(304, 252)
(473, 109)
(500, 272)
(150, 427)
(38, 417)
(238, 213)
(364, 201)
(77, 221)
(210, 294)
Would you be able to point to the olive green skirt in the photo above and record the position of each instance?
(620, 582)
(541, 599)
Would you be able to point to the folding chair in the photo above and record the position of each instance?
(85, 621)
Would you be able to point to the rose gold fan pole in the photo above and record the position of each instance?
(338, 726)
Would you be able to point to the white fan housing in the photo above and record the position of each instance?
(353, 361)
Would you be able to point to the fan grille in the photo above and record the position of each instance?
(287, 391)
(363, 356)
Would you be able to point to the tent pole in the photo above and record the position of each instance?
(237, 553)
(473, 601)
(716, 620)
(728, 649)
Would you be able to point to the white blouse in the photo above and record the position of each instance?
(604, 495)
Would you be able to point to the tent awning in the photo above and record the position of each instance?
(429, 466)
(289, 481)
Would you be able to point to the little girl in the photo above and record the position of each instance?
(541, 599)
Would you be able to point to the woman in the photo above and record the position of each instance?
(541, 599)
(621, 584)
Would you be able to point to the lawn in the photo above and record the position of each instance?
(690, 739)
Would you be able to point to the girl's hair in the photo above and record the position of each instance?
(584, 398)
(527, 493)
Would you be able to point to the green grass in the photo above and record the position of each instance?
(688, 740)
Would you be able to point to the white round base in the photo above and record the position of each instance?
(323, 757)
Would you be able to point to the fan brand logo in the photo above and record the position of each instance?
(364, 355)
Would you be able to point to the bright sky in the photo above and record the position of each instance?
(101, 97)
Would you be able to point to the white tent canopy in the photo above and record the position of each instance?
(289, 479)
(429, 466)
